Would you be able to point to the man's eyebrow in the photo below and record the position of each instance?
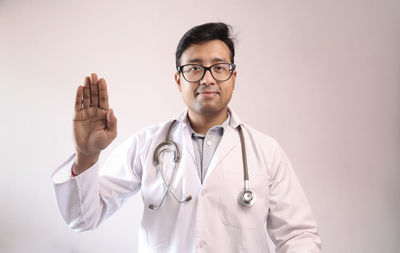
(195, 60)
(216, 59)
(198, 60)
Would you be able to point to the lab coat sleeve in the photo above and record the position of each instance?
(87, 199)
(290, 222)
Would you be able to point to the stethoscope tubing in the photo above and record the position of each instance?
(246, 197)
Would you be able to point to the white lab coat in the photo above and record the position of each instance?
(213, 221)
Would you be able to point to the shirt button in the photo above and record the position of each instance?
(203, 192)
(209, 143)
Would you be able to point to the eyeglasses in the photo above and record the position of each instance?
(195, 72)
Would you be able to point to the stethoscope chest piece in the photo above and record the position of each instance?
(247, 198)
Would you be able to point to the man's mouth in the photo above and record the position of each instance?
(208, 94)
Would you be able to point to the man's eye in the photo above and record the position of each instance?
(190, 69)
(220, 68)
(195, 68)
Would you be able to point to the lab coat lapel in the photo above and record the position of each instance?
(184, 134)
(228, 141)
(188, 142)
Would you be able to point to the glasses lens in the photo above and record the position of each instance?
(221, 71)
(192, 72)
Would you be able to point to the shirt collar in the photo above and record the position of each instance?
(220, 128)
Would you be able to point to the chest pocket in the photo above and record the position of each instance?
(230, 211)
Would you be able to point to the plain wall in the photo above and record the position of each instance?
(322, 77)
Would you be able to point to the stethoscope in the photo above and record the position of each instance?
(246, 198)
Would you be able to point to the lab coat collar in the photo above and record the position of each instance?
(235, 121)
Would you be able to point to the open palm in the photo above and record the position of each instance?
(95, 125)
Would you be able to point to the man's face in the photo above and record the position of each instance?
(207, 96)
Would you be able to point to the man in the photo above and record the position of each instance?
(192, 170)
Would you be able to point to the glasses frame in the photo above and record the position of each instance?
(232, 68)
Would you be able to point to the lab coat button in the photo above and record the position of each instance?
(202, 244)
(209, 143)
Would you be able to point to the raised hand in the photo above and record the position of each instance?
(95, 125)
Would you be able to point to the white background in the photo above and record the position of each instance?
(322, 77)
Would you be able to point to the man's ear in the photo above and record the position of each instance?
(234, 78)
(178, 81)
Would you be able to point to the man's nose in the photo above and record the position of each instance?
(207, 79)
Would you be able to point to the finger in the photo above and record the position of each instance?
(78, 99)
(103, 94)
(111, 124)
(94, 91)
(86, 93)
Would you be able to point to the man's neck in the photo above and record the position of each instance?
(201, 123)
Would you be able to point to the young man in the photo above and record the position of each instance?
(209, 182)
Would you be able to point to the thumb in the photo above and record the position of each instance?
(112, 123)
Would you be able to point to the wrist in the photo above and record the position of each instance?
(72, 170)
(83, 162)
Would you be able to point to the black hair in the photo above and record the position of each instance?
(203, 33)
